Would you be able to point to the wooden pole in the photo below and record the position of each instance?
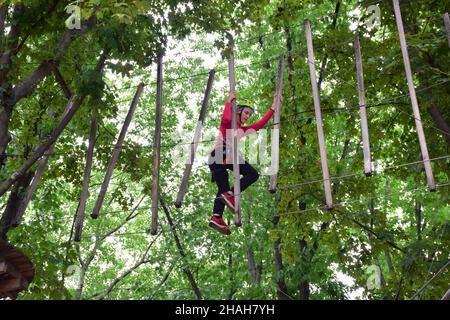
(87, 176)
(415, 104)
(362, 109)
(447, 26)
(116, 153)
(157, 146)
(235, 143)
(194, 145)
(276, 129)
(315, 90)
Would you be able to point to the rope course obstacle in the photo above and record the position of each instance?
(16, 271)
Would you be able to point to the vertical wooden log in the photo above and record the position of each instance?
(194, 145)
(157, 146)
(315, 90)
(87, 176)
(415, 104)
(447, 26)
(276, 129)
(116, 153)
(235, 144)
(362, 109)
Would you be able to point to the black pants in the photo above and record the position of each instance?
(220, 176)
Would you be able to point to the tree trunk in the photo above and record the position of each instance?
(424, 77)
(14, 200)
(282, 290)
(80, 286)
(304, 286)
(325, 58)
(255, 270)
(290, 60)
(440, 122)
(389, 262)
(418, 211)
(5, 137)
(12, 40)
(3, 15)
(230, 268)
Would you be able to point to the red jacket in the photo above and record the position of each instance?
(225, 125)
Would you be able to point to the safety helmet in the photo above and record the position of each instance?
(244, 103)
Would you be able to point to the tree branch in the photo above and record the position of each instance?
(72, 107)
(60, 79)
(45, 15)
(440, 122)
(130, 217)
(367, 229)
(27, 86)
(186, 270)
(163, 280)
(130, 270)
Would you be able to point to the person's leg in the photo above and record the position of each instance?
(220, 176)
(219, 206)
(250, 175)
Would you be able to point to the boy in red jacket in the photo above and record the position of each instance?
(220, 159)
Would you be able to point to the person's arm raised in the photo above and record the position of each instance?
(227, 115)
(263, 121)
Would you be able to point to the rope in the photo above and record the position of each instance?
(425, 285)
(360, 173)
(356, 201)
(380, 103)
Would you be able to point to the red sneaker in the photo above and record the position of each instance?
(228, 199)
(220, 225)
